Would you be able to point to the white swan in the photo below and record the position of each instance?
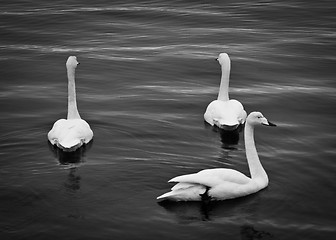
(223, 112)
(223, 183)
(71, 133)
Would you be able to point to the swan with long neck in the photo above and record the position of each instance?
(224, 183)
(223, 112)
(71, 133)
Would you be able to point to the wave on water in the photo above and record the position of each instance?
(71, 9)
(282, 89)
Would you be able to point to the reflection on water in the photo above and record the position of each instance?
(229, 211)
(72, 184)
(229, 138)
(248, 232)
(71, 159)
(188, 211)
(148, 74)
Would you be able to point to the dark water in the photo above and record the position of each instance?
(146, 76)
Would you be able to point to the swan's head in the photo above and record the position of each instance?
(223, 59)
(256, 118)
(72, 62)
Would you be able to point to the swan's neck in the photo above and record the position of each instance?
(72, 104)
(256, 169)
(224, 84)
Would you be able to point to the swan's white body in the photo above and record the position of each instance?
(223, 183)
(71, 133)
(223, 112)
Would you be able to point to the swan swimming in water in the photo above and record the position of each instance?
(223, 112)
(71, 133)
(224, 183)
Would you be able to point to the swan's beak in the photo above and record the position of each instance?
(268, 123)
(271, 124)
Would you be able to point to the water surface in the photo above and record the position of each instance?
(147, 73)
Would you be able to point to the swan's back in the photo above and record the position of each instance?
(226, 113)
(70, 132)
(213, 177)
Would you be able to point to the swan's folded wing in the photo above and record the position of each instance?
(78, 129)
(213, 177)
(84, 131)
(56, 130)
(197, 178)
(237, 110)
(242, 116)
(182, 185)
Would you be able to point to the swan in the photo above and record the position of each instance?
(71, 133)
(224, 183)
(225, 113)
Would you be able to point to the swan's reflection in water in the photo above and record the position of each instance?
(208, 211)
(229, 139)
(236, 211)
(71, 161)
(186, 212)
(72, 183)
(248, 232)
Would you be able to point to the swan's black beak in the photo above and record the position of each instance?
(271, 124)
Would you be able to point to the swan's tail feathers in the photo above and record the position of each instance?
(166, 196)
(70, 145)
(192, 193)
